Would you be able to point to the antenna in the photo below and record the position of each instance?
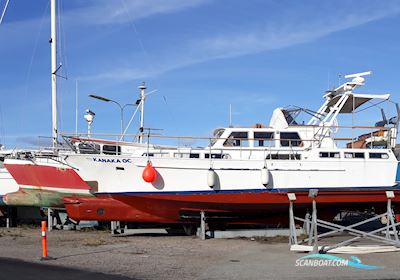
(340, 75)
(140, 105)
(142, 88)
(230, 115)
(358, 74)
(358, 79)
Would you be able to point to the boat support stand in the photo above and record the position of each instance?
(57, 218)
(313, 236)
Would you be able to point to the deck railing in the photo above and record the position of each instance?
(321, 137)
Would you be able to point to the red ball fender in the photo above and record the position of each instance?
(149, 173)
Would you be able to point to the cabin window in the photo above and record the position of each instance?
(263, 139)
(379, 155)
(353, 155)
(186, 155)
(284, 156)
(290, 139)
(89, 148)
(213, 155)
(329, 155)
(181, 155)
(237, 139)
(157, 155)
(150, 155)
(111, 150)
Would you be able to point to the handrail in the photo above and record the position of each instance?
(208, 138)
(67, 134)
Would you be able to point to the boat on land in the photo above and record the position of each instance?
(7, 184)
(48, 186)
(245, 174)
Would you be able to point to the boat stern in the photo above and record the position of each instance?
(43, 185)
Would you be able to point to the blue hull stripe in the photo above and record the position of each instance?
(2, 201)
(376, 188)
(398, 173)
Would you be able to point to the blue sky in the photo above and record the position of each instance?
(200, 55)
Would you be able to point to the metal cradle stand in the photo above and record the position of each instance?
(203, 226)
(117, 228)
(390, 231)
(58, 219)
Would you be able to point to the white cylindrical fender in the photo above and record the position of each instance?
(211, 178)
(264, 176)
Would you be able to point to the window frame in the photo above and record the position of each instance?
(234, 140)
(290, 141)
(265, 140)
(330, 155)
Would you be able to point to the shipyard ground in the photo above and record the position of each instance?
(98, 255)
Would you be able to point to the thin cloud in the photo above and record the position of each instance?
(275, 36)
(99, 12)
(250, 40)
(117, 12)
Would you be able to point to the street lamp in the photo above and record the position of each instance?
(101, 98)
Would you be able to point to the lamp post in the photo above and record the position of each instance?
(121, 108)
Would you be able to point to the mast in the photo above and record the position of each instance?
(142, 99)
(53, 43)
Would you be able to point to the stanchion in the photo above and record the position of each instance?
(203, 225)
(45, 256)
(292, 225)
(313, 236)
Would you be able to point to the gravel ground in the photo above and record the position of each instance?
(181, 257)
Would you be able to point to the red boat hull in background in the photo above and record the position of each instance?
(44, 186)
(264, 207)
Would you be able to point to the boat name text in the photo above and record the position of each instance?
(112, 160)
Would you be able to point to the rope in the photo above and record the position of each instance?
(374, 104)
(33, 55)
(130, 121)
(4, 11)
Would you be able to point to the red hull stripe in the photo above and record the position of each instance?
(253, 198)
(46, 176)
(259, 196)
(168, 208)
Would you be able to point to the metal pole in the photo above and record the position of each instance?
(89, 129)
(306, 225)
(8, 217)
(388, 214)
(49, 219)
(122, 122)
(76, 107)
(202, 225)
(292, 226)
(314, 224)
(113, 227)
(53, 42)
(230, 115)
(142, 98)
(391, 219)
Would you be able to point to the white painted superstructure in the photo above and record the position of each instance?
(282, 156)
